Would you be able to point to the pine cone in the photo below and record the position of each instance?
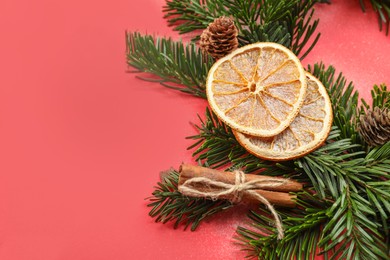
(374, 126)
(219, 38)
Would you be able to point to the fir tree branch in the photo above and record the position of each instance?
(189, 15)
(302, 230)
(358, 217)
(380, 98)
(378, 188)
(302, 27)
(344, 99)
(354, 225)
(382, 8)
(351, 233)
(168, 204)
(215, 143)
(286, 22)
(262, 21)
(325, 166)
(172, 62)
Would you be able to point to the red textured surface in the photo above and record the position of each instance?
(82, 142)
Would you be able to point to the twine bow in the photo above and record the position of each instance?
(237, 190)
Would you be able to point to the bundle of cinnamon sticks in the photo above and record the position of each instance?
(275, 194)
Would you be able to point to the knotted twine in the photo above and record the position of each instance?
(237, 190)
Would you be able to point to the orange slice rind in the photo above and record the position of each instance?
(306, 133)
(258, 89)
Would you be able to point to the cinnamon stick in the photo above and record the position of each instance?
(188, 171)
(277, 195)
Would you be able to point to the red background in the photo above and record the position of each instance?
(82, 142)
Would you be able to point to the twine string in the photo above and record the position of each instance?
(236, 191)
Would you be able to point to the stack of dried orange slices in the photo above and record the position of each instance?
(276, 110)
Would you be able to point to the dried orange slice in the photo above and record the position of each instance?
(257, 89)
(306, 133)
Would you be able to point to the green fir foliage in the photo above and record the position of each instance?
(168, 204)
(344, 99)
(380, 98)
(302, 230)
(174, 64)
(343, 211)
(288, 22)
(382, 8)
